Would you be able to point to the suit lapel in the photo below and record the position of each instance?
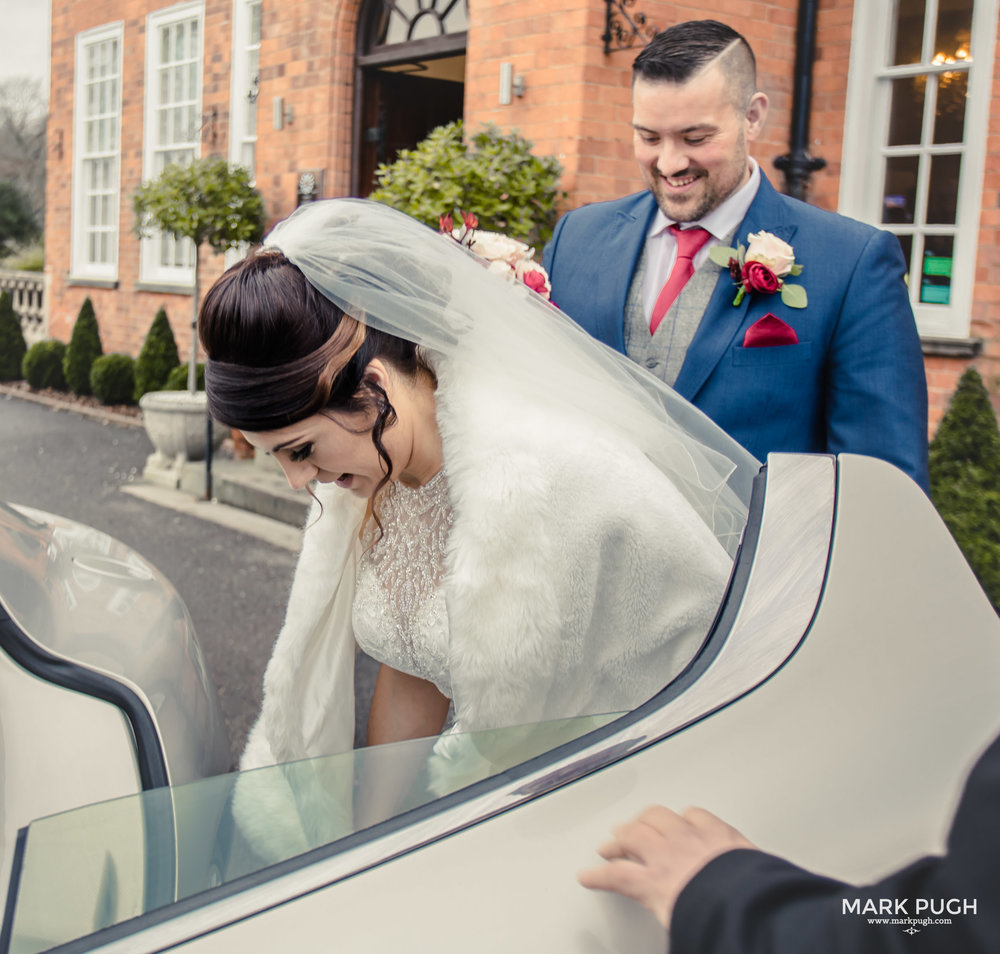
(722, 320)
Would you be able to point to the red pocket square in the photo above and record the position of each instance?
(769, 332)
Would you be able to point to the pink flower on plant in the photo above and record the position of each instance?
(445, 223)
(469, 220)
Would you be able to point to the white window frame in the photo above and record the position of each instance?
(151, 271)
(239, 131)
(865, 127)
(81, 264)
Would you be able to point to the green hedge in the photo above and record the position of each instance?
(43, 365)
(177, 380)
(965, 479)
(492, 175)
(12, 344)
(112, 379)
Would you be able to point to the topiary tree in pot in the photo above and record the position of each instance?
(965, 479)
(83, 349)
(13, 347)
(157, 358)
(207, 201)
(491, 174)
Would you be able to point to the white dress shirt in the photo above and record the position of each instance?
(661, 246)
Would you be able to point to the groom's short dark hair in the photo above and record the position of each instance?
(680, 52)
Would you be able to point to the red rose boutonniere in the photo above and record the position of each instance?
(762, 267)
(506, 256)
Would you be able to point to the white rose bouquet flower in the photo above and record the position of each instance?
(513, 259)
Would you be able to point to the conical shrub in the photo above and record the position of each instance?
(13, 347)
(157, 357)
(965, 479)
(83, 349)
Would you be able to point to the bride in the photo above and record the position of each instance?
(511, 518)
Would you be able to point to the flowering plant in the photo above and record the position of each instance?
(761, 266)
(506, 256)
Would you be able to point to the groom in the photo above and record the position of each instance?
(838, 368)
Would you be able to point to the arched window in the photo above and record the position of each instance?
(410, 77)
(405, 21)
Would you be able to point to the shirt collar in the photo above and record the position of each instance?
(724, 219)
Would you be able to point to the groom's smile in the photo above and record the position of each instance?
(690, 140)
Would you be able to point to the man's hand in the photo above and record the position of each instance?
(652, 858)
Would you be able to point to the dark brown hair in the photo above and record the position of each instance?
(680, 52)
(279, 351)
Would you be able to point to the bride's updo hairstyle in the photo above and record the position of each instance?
(279, 351)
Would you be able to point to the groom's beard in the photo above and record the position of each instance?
(709, 190)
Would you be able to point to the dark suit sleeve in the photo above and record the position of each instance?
(876, 389)
(747, 902)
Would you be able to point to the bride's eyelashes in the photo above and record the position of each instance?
(300, 453)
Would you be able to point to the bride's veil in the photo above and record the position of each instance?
(394, 274)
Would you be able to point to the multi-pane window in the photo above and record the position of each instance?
(97, 124)
(914, 163)
(173, 122)
(246, 83)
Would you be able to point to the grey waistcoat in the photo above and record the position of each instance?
(664, 353)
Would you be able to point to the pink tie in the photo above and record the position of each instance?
(689, 241)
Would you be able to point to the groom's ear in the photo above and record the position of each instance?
(756, 114)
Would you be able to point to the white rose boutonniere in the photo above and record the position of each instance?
(762, 266)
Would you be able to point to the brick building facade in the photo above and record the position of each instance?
(310, 91)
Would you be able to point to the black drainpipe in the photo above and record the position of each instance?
(798, 165)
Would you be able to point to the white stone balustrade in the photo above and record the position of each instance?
(29, 294)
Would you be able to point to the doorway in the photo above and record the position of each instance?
(410, 78)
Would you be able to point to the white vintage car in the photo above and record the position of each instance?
(850, 680)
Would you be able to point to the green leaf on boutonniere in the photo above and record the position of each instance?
(795, 270)
(794, 296)
(721, 256)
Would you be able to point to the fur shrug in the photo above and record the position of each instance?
(578, 580)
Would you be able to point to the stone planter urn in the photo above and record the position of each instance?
(175, 422)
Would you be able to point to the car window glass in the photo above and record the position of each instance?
(97, 866)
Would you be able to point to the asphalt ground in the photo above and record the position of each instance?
(234, 583)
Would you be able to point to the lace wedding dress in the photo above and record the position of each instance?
(399, 614)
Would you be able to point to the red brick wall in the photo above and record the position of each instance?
(307, 58)
(577, 103)
(576, 106)
(124, 313)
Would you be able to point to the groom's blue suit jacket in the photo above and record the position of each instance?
(854, 382)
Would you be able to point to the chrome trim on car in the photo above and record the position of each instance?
(787, 566)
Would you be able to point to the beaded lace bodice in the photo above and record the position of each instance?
(399, 612)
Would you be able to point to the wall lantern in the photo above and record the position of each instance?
(623, 27)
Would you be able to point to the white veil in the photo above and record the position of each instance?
(394, 274)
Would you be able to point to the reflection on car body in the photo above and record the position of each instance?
(831, 626)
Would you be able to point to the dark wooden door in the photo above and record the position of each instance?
(398, 111)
